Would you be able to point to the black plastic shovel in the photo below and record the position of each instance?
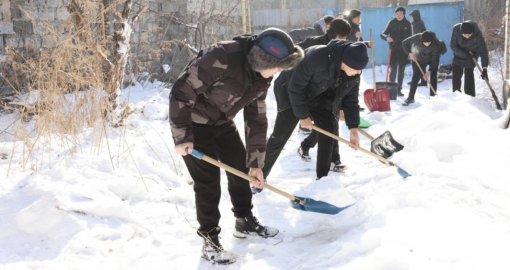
(400, 171)
(384, 145)
(301, 203)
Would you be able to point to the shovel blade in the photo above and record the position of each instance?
(385, 145)
(312, 205)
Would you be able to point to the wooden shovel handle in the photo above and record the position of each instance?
(340, 139)
(370, 137)
(247, 177)
(423, 74)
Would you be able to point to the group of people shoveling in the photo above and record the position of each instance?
(313, 88)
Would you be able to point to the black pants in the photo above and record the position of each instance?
(311, 141)
(398, 61)
(469, 79)
(285, 124)
(417, 75)
(223, 143)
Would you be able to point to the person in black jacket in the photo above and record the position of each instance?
(319, 28)
(339, 29)
(468, 44)
(425, 49)
(418, 27)
(326, 80)
(396, 31)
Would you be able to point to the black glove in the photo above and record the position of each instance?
(484, 74)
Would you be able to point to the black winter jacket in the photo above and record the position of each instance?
(425, 55)
(462, 47)
(418, 24)
(398, 31)
(312, 41)
(317, 81)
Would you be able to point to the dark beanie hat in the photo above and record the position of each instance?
(467, 27)
(400, 9)
(427, 36)
(275, 42)
(328, 19)
(355, 56)
(274, 48)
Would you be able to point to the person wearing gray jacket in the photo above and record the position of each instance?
(468, 44)
(423, 49)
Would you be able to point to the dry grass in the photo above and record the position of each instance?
(66, 88)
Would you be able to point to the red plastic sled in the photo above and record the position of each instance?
(378, 100)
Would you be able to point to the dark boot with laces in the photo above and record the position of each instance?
(249, 225)
(212, 250)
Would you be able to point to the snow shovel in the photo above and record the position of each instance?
(300, 203)
(498, 105)
(384, 145)
(423, 75)
(400, 171)
(376, 99)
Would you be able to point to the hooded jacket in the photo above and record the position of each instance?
(214, 87)
(462, 47)
(425, 55)
(317, 81)
(417, 24)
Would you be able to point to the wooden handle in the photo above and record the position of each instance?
(423, 74)
(370, 137)
(373, 58)
(250, 178)
(340, 139)
(496, 100)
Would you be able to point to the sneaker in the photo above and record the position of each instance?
(304, 154)
(337, 166)
(249, 225)
(408, 101)
(213, 251)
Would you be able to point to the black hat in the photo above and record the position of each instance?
(274, 48)
(400, 9)
(467, 27)
(328, 19)
(427, 36)
(355, 56)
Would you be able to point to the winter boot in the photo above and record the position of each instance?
(304, 154)
(400, 94)
(212, 250)
(408, 101)
(249, 225)
(337, 166)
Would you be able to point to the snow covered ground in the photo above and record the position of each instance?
(129, 204)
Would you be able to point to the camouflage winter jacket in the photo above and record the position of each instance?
(463, 47)
(214, 87)
(425, 55)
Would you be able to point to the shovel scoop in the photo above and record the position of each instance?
(385, 145)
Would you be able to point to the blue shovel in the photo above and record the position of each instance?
(300, 203)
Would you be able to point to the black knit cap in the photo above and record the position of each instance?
(400, 9)
(427, 36)
(275, 43)
(355, 56)
(467, 27)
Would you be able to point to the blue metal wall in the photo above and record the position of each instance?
(438, 18)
